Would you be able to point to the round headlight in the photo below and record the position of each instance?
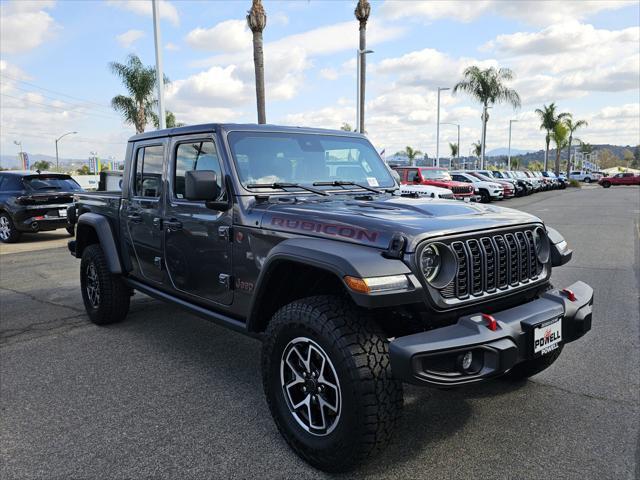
(430, 262)
(541, 244)
(438, 264)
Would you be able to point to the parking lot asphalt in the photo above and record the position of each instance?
(168, 395)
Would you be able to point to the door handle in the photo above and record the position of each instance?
(134, 218)
(172, 225)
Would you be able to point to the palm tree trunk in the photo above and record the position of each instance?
(546, 153)
(558, 150)
(140, 119)
(484, 136)
(569, 154)
(258, 62)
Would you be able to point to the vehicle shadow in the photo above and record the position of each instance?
(49, 236)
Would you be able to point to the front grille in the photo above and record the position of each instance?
(487, 264)
(447, 196)
(461, 190)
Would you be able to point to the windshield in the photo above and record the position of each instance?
(436, 174)
(273, 157)
(43, 182)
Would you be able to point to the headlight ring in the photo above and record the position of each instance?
(541, 244)
(438, 264)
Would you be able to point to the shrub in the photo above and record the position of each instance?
(575, 183)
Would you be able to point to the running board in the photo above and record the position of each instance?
(205, 313)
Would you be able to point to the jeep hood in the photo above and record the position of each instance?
(374, 222)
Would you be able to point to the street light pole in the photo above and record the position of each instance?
(509, 154)
(456, 125)
(57, 140)
(360, 93)
(19, 143)
(438, 128)
(159, 72)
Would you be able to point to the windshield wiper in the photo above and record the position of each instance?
(341, 183)
(285, 185)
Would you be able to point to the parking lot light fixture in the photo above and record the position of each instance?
(57, 140)
(438, 127)
(509, 151)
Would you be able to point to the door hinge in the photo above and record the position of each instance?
(224, 233)
(225, 279)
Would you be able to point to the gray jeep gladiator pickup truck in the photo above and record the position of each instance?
(300, 237)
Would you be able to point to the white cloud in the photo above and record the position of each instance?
(278, 18)
(329, 73)
(529, 11)
(629, 110)
(25, 25)
(128, 38)
(143, 7)
(227, 36)
(172, 47)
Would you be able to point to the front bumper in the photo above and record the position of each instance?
(433, 357)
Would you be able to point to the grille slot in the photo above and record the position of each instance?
(487, 264)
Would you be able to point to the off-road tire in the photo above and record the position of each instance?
(606, 184)
(11, 233)
(371, 398)
(528, 368)
(114, 295)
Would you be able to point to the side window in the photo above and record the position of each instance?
(412, 173)
(194, 155)
(148, 181)
(10, 183)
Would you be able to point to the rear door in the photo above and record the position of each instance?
(197, 239)
(142, 210)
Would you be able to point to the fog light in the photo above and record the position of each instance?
(466, 361)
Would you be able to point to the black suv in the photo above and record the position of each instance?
(34, 202)
(300, 237)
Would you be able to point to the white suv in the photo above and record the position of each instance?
(487, 190)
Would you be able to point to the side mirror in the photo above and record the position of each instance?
(201, 185)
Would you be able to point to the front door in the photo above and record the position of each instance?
(142, 212)
(197, 239)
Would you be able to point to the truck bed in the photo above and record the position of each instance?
(105, 203)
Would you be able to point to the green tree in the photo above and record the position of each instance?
(454, 149)
(84, 170)
(170, 120)
(560, 137)
(572, 127)
(635, 163)
(257, 21)
(411, 154)
(347, 128)
(476, 148)
(586, 147)
(489, 87)
(549, 118)
(535, 166)
(140, 82)
(41, 165)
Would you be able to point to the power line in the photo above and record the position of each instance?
(54, 107)
(53, 136)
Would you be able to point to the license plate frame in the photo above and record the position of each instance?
(547, 336)
(62, 212)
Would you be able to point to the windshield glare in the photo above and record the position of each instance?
(436, 174)
(65, 184)
(273, 157)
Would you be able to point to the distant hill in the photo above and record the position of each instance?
(498, 152)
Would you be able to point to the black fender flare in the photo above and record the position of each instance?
(100, 225)
(340, 259)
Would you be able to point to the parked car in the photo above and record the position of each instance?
(584, 176)
(437, 177)
(351, 288)
(508, 188)
(559, 181)
(620, 179)
(488, 190)
(427, 191)
(524, 187)
(34, 202)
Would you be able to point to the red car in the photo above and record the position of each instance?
(436, 176)
(620, 179)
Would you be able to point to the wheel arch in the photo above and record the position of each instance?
(93, 228)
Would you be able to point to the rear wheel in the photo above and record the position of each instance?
(606, 184)
(528, 368)
(8, 231)
(328, 382)
(484, 196)
(587, 180)
(106, 297)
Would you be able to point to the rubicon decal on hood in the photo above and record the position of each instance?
(331, 229)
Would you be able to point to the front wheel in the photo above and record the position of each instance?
(328, 382)
(106, 297)
(606, 184)
(587, 180)
(484, 196)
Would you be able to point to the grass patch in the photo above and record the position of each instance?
(575, 184)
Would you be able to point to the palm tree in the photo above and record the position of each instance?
(477, 148)
(257, 21)
(488, 87)
(559, 135)
(411, 154)
(140, 82)
(454, 149)
(362, 11)
(170, 120)
(347, 128)
(548, 120)
(572, 127)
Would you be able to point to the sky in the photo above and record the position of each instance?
(582, 55)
